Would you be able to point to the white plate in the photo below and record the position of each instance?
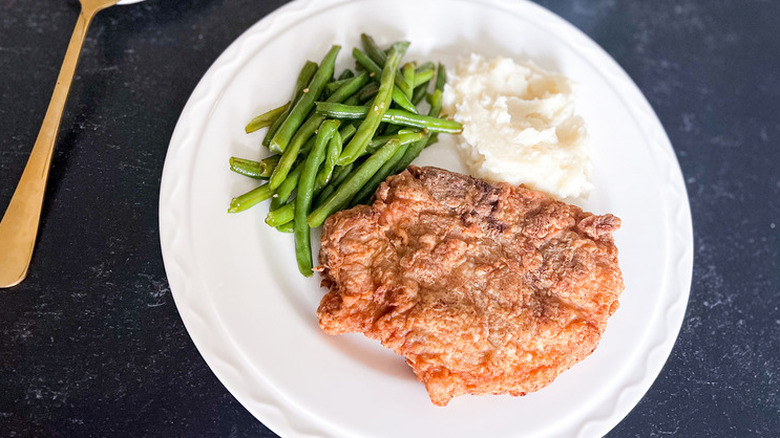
(252, 316)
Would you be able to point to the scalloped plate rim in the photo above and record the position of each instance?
(276, 413)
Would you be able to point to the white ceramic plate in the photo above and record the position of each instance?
(252, 316)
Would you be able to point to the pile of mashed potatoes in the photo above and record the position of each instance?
(519, 125)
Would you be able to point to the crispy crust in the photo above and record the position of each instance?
(483, 288)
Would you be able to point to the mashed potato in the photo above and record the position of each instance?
(519, 125)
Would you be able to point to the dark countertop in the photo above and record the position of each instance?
(91, 343)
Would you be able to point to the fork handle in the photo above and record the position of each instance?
(19, 226)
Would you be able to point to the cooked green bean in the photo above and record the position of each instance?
(287, 227)
(438, 95)
(318, 168)
(309, 127)
(419, 93)
(398, 94)
(379, 57)
(396, 117)
(366, 63)
(380, 105)
(435, 110)
(339, 175)
(266, 119)
(290, 155)
(433, 124)
(304, 198)
(301, 109)
(331, 155)
(352, 100)
(346, 74)
(304, 77)
(254, 169)
(368, 91)
(285, 189)
(402, 100)
(281, 212)
(388, 168)
(372, 49)
(250, 198)
(281, 215)
(407, 72)
(355, 181)
(410, 154)
(347, 131)
(388, 129)
(330, 87)
(324, 194)
(424, 73)
(403, 137)
(441, 77)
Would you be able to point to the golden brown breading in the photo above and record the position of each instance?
(484, 288)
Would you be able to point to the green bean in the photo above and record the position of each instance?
(396, 117)
(330, 87)
(339, 175)
(347, 131)
(290, 155)
(389, 129)
(298, 113)
(424, 73)
(407, 72)
(368, 189)
(364, 61)
(433, 124)
(410, 154)
(266, 119)
(281, 212)
(438, 94)
(400, 98)
(305, 75)
(372, 49)
(355, 181)
(250, 198)
(341, 111)
(441, 77)
(346, 74)
(436, 101)
(285, 189)
(308, 145)
(380, 105)
(419, 93)
(379, 57)
(368, 92)
(303, 199)
(398, 94)
(281, 215)
(324, 194)
(254, 169)
(352, 100)
(331, 155)
(405, 137)
(309, 127)
(275, 203)
(423, 77)
(287, 227)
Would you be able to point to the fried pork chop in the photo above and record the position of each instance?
(483, 288)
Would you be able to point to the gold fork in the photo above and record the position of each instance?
(19, 226)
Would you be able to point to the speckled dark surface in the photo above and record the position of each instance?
(91, 343)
